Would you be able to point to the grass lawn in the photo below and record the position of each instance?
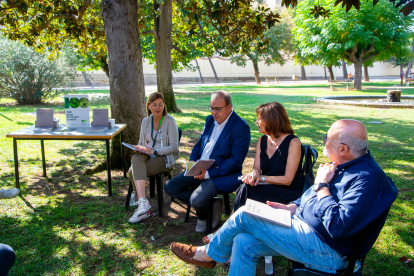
(66, 224)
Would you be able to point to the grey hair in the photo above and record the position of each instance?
(223, 94)
(356, 145)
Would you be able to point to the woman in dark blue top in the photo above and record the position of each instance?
(278, 161)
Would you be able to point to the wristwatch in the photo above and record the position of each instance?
(263, 178)
(156, 152)
(319, 185)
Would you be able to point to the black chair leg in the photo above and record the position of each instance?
(289, 270)
(187, 215)
(227, 203)
(152, 186)
(160, 191)
(210, 216)
(128, 198)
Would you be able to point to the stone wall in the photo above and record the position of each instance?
(228, 72)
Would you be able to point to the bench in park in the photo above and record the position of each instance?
(409, 80)
(276, 80)
(331, 83)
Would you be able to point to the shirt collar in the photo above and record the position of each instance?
(349, 163)
(223, 124)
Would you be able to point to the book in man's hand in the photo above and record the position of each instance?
(133, 148)
(194, 168)
(266, 212)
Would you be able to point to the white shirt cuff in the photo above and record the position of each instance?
(206, 176)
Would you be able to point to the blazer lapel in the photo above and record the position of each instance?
(226, 129)
(206, 137)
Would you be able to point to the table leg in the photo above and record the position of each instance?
(123, 155)
(42, 146)
(108, 162)
(16, 163)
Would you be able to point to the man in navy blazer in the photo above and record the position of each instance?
(226, 139)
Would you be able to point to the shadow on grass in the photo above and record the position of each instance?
(6, 117)
(24, 123)
(67, 231)
(72, 227)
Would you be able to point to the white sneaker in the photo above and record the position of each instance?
(137, 219)
(9, 193)
(143, 206)
(201, 226)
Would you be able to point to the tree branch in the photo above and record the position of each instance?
(74, 17)
(348, 58)
(177, 49)
(13, 5)
(370, 49)
(353, 52)
(210, 17)
(373, 55)
(3, 9)
(149, 32)
(205, 37)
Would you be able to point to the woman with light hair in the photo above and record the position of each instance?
(157, 151)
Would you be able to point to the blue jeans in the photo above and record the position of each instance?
(245, 239)
(7, 257)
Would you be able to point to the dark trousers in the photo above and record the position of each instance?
(180, 187)
(7, 257)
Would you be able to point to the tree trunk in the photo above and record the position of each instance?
(126, 78)
(162, 39)
(303, 73)
(214, 70)
(199, 71)
(324, 68)
(358, 74)
(344, 71)
(88, 82)
(256, 70)
(105, 66)
(331, 74)
(410, 62)
(366, 76)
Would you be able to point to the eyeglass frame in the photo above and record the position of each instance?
(217, 109)
(325, 138)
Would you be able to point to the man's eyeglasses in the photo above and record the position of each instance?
(217, 109)
(325, 138)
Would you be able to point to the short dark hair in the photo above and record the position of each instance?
(223, 94)
(153, 97)
(275, 118)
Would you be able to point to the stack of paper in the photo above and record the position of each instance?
(100, 120)
(44, 120)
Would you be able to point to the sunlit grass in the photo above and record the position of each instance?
(66, 224)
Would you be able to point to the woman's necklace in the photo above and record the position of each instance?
(274, 142)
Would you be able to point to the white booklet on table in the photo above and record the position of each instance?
(133, 148)
(194, 168)
(266, 212)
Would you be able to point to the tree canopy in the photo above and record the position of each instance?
(358, 36)
(273, 46)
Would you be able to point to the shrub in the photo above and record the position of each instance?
(28, 76)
